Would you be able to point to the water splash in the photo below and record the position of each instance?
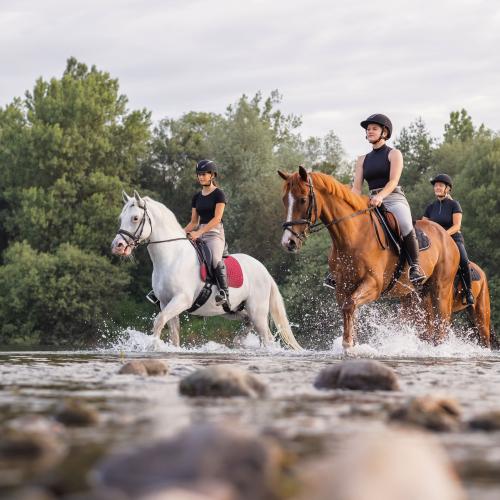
(389, 337)
(136, 341)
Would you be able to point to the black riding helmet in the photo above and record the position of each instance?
(206, 166)
(381, 120)
(444, 178)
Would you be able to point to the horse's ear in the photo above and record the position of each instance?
(303, 173)
(283, 175)
(140, 202)
(125, 196)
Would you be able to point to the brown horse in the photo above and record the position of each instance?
(360, 262)
(479, 313)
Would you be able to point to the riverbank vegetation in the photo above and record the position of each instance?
(69, 147)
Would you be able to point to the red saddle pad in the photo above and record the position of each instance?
(234, 272)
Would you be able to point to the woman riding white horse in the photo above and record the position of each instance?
(207, 209)
(176, 276)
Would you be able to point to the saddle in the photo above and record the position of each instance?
(394, 239)
(207, 274)
(393, 232)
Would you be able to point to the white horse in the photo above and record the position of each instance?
(176, 275)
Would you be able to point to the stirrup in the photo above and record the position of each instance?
(329, 281)
(221, 298)
(469, 298)
(419, 277)
(152, 298)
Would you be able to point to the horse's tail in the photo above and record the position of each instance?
(278, 313)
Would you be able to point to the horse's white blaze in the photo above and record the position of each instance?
(286, 234)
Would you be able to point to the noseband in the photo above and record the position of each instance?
(318, 225)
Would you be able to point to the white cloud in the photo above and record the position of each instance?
(334, 62)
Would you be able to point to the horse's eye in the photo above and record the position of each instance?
(303, 200)
(135, 218)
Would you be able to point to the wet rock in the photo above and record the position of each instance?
(36, 450)
(222, 381)
(226, 457)
(74, 413)
(144, 367)
(436, 413)
(359, 374)
(387, 465)
(36, 424)
(133, 368)
(98, 494)
(489, 421)
(30, 494)
(202, 492)
(155, 366)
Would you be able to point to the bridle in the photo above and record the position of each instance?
(318, 225)
(133, 240)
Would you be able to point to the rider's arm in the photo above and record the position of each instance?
(193, 223)
(457, 223)
(357, 185)
(217, 219)
(396, 161)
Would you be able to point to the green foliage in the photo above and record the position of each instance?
(62, 298)
(459, 128)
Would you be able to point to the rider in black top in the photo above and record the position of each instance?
(207, 208)
(447, 213)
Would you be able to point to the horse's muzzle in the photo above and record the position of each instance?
(120, 247)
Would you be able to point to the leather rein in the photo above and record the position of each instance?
(319, 224)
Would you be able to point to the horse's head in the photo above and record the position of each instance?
(301, 208)
(135, 225)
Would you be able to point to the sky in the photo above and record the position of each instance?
(334, 62)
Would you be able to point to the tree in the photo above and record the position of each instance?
(459, 128)
(56, 299)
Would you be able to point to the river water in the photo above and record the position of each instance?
(135, 409)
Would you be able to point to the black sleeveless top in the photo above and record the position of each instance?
(377, 167)
(205, 205)
(441, 211)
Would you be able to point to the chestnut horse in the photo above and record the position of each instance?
(479, 313)
(361, 264)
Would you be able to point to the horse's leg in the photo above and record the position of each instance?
(240, 336)
(480, 314)
(173, 308)
(366, 292)
(442, 300)
(174, 326)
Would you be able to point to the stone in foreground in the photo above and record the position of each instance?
(436, 413)
(358, 375)
(225, 458)
(222, 381)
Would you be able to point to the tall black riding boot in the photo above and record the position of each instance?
(410, 246)
(222, 296)
(467, 282)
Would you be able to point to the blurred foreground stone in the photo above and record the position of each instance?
(76, 413)
(436, 413)
(224, 463)
(144, 367)
(387, 465)
(489, 421)
(359, 374)
(222, 381)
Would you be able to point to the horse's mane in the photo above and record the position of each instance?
(332, 186)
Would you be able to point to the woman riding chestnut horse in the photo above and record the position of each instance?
(363, 266)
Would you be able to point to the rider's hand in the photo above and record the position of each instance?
(194, 235)
(376, 201)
